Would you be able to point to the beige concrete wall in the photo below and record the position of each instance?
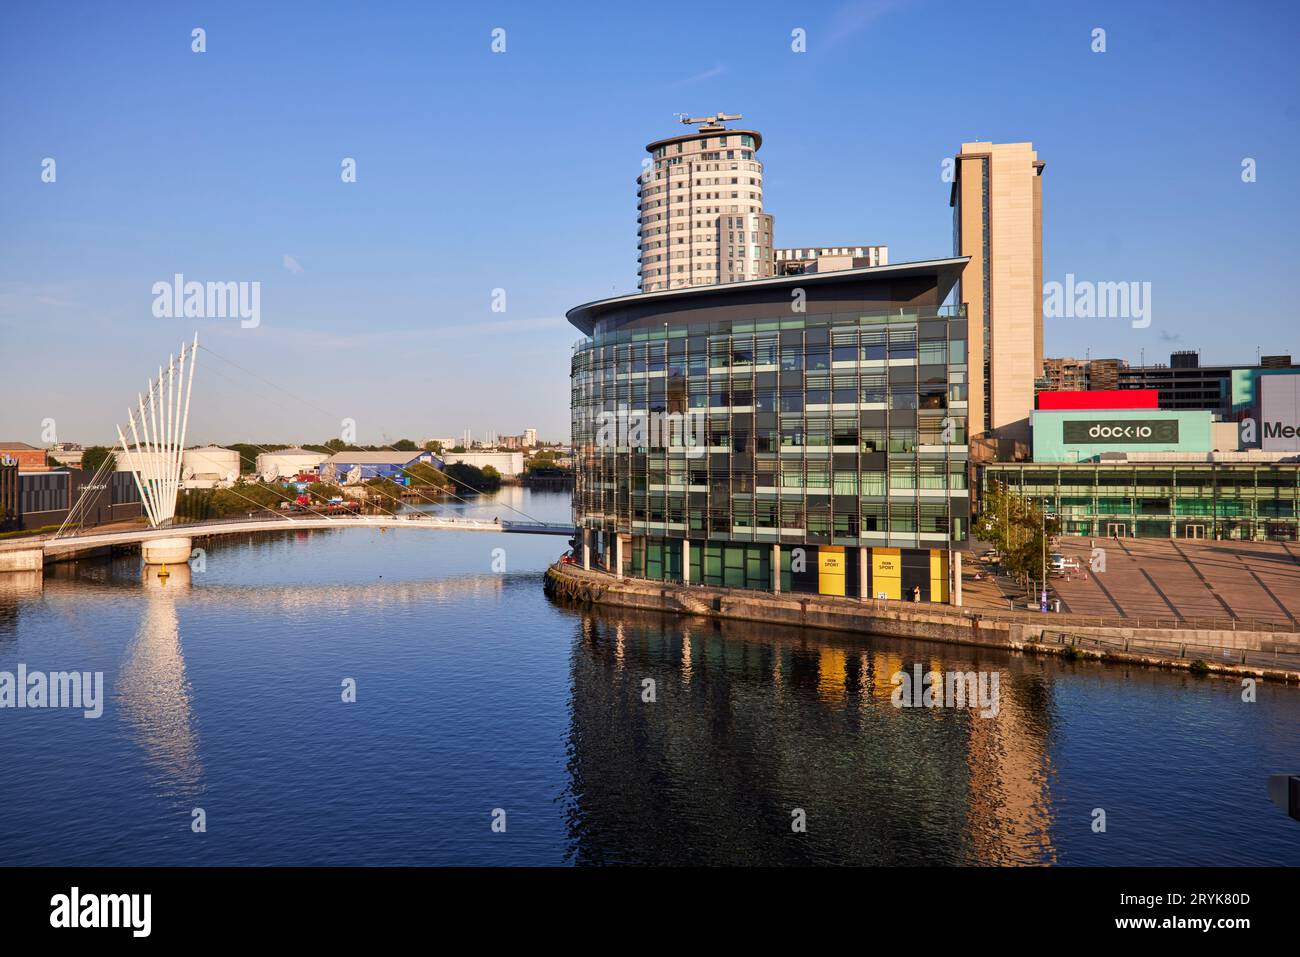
(1016, 281)
(20, 559)
(970, 244)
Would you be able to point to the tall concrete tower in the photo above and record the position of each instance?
(997, 201)
(700, 200)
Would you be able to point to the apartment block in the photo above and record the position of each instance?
(700, 204)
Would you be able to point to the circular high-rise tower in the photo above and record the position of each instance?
(700, 200)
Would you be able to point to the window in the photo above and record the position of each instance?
(902, 343)
(902, 441)
(934, 352)
(873, 388)
(873, 344)
(902, 519)
(903, 398)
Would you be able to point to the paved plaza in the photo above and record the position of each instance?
(1183, 578)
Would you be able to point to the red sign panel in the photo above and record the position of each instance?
(1100, 399)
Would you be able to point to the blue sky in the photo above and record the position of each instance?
(478, 171)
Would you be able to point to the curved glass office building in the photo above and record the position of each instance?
(803, 433)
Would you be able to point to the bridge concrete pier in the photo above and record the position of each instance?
(167, 551)
(20, 559)
(176, 576)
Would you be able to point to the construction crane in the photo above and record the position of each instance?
(710, 123)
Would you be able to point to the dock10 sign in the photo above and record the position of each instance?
(1121, 432)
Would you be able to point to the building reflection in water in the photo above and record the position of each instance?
(153, 692)
(752, 721)
(16, 588)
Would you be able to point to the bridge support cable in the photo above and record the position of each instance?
(283, 495)
(88, 494)
(334, 417)
(155, 462)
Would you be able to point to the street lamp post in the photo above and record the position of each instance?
(1043, 596)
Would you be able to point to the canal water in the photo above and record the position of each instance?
(478, 699)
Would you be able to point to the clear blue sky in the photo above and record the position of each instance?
(479, 170)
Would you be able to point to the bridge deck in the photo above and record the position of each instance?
(285, 523)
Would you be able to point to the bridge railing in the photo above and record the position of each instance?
(271, 520)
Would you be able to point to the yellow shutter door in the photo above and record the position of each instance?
(830, 569)
(939, 574)
(886, 573)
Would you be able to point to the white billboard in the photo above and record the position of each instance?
(1279, 399)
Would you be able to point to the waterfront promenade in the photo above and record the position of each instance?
(1222, 645)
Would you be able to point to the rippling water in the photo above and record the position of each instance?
(475, 692)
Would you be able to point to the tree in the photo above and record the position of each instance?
(248, 455)
(434, 447)
(464, 475)
(1015, 525)
(94, 457)
(385, 492)
(424, 475)
(405, 445)
(246, 496)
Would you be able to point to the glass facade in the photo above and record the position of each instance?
(817, 432)
(1165, 500)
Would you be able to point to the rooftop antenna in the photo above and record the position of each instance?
(708, 124)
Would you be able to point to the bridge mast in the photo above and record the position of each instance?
(156, 461)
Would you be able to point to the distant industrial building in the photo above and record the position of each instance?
(509, 464)
(350, 468)
(28, 458)
(288, 463)
(66, 453)
(527, 440)
(209, 467)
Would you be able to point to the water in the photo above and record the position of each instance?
(475, 692)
